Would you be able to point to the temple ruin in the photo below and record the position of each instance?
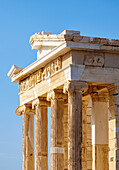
(78, 77)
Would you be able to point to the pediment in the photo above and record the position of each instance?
(14, 70)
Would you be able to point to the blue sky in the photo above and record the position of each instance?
(19, 19)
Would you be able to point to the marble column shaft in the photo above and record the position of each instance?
(57, 129)
(74, 90)
(28, 136)
(84, 135)
(114, 127)
(117, 124)
(66, 137)
(41, 134)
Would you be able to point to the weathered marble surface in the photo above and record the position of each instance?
(78, 77)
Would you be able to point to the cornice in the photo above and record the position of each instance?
(73, 36)
(14, 70)
(64, 42)
(58, 51)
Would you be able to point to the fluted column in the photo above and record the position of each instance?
(65, 137)
(28, 135)
(41, 133)
(74, 90)
(114, 127)
(57, 129)
(84, 135)
(100, 131)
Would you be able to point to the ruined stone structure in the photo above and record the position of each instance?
(78, 77)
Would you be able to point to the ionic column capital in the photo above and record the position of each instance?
(72, 86)
(26, 108)
(56, 94)
(40, 102)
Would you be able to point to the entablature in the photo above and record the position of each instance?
(66, 57)
(53, 46)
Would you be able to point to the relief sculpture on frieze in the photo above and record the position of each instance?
(40, 75)
(94, 61)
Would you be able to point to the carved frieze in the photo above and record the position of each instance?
(94, 61)
(41, 75)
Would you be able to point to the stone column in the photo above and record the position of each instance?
(100, 131)
(57, 129)
(65, 136)
(74, 90)
(84, 135)
(114, 127)
(112, 132)
(41, 133)
(28, 136)
(89, 135)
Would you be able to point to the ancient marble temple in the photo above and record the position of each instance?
(78, 77)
